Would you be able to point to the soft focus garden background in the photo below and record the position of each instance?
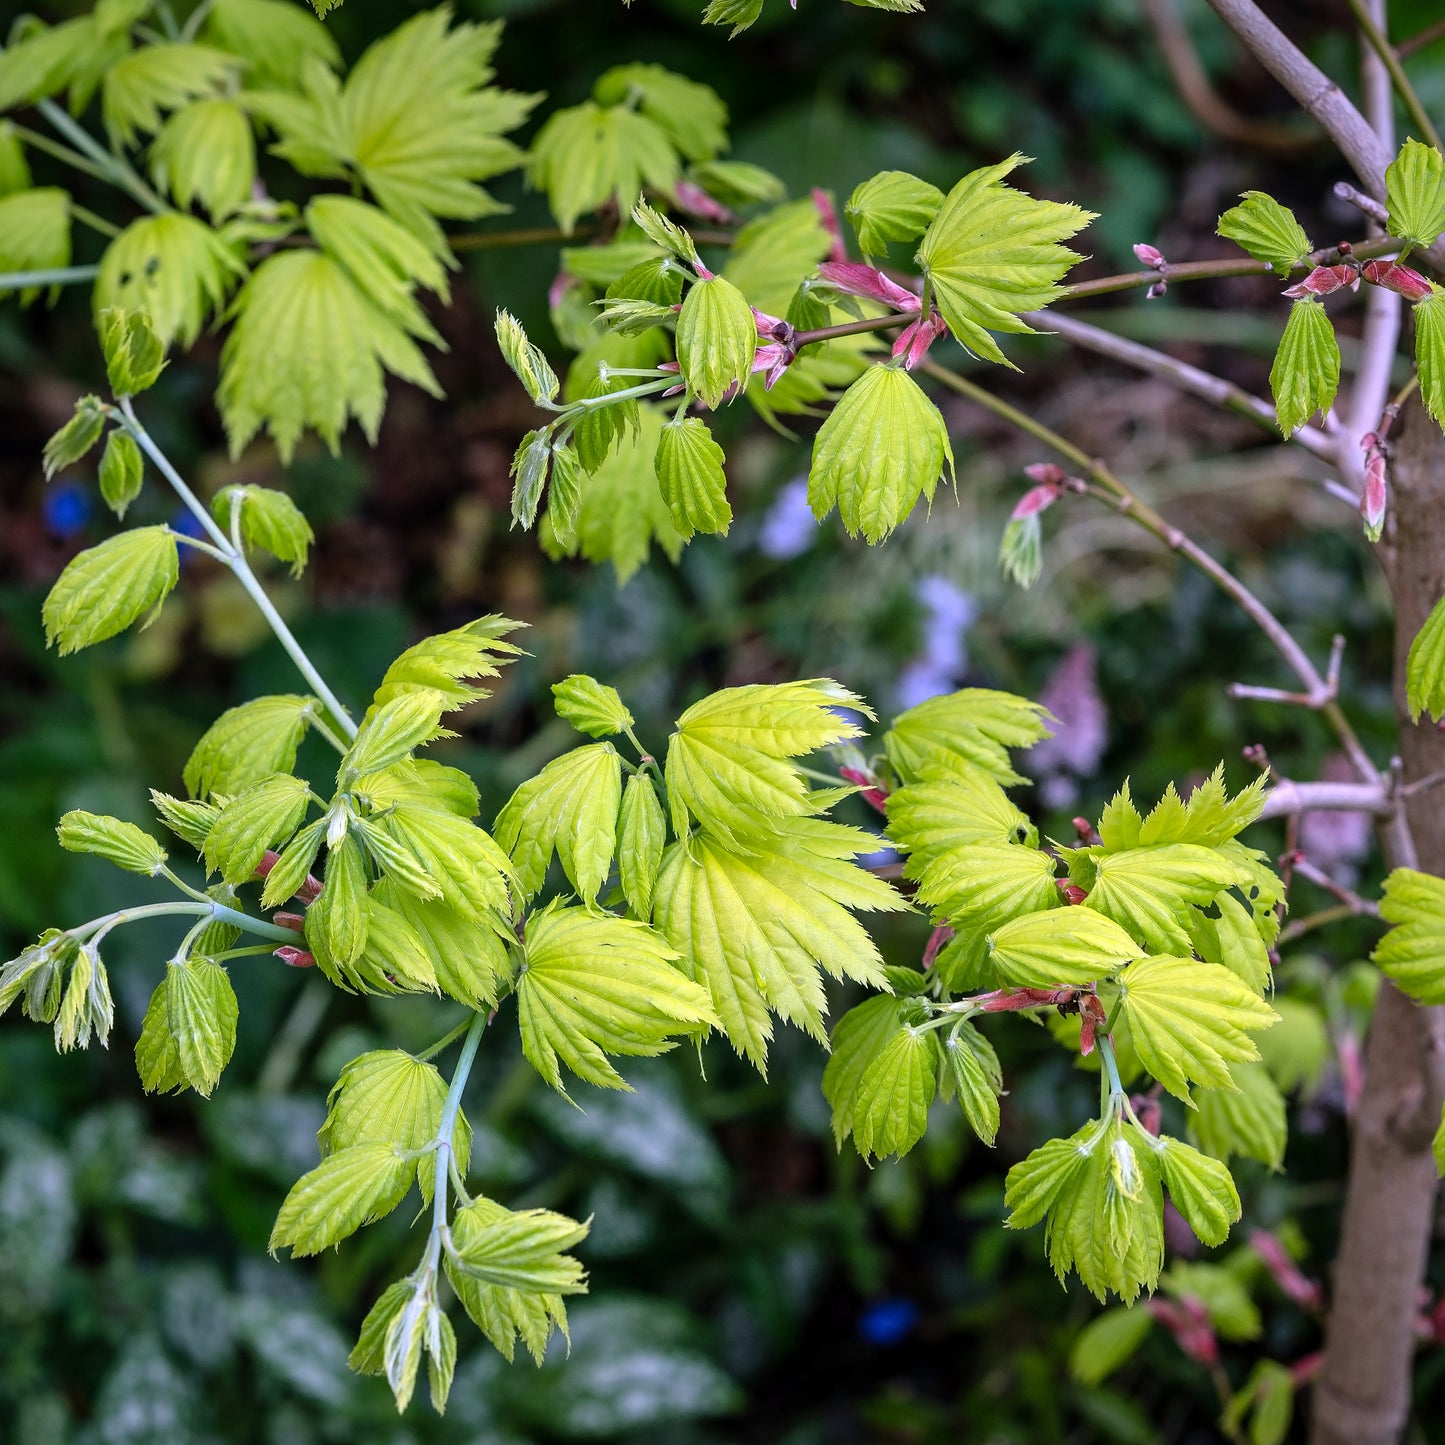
(749, 1283)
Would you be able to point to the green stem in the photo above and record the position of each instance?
(54, 276)
(38, 140)
(1380, 44)
(446, 1041)
(234, 557)
(195, 20)
(447, 1128)
(196, 545)
(116, 168)
(210, 910)
(1111, 1066)
(96, 223)
(591, 403)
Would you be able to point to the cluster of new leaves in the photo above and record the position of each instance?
(1306, 369)
(1156, 944)
(650, 318)
(324, 296)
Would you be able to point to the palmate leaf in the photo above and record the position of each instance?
(1425, 667)
(416, 122)
(201, 1015)
(458, 858)
(570, 807)
(594, 984)
(310, 349)
(992, 252)
(883, 446)
(882, 1076)
(268, 519)
(523, 1248)
(641, 837)
(154, 78)
(1108, 1342)
(391, 731)
(273, 37)
(1415, 194)
(1190, 1020)
(755, 928)
(971, 1067)
(14, 168)
(248, 743)
(1412, 952)
(717, 339)
(108, 587)
(389, 1097)
(1430, 354)
(728, 761)
(891, 206)
(265, 813)
(443, 663)
(588, 155)
(468, 958)
(693, 117)
(174, 268)
(1306, 370)
(1268, 231)
(350, 1188)
(122, 472)
(591, 706)
(1202, 1190)
(34, 232)
(1061, 946)
(950, 808)
(1249, 1119)
(975, 724)
(689, 466)
(1148, 890)
(116, 841)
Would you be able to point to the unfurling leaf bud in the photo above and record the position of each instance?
(689, 466)
(1324, 281)
(531, 367)
(716, 340)
(1394, 277)
(1149, 255)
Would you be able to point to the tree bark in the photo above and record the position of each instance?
(1362, 1394)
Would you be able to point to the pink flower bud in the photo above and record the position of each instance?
(853, 278)
(1373, 499)
(1035, 500)
(296, 957)
(1188, 1322)
(1324, 281)
(773, 360)
(562, 283)
(1158, 289)
(1073, 894)
(872, 793)
(1394, 277)
(1149, 255)
(1045, 472)
(772, 327)
(828, 215)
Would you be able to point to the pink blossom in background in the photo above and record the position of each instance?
(1081, 733)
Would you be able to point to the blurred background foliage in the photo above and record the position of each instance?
(749, 1283)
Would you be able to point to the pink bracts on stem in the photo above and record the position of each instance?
(913, 343)
(828, 215)
(1375, 497)
(1188, 1322)
(696, 202)
(853, 278)
(1307, 1293)
(296, 957)
(1149, 255)
(1395, 277)
(871, 793)
(1324, 281)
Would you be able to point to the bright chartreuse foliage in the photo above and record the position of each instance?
(1268, 231)
(1415, 194)
(1306, 370)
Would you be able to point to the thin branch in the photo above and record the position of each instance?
(1215, 270)
(1317, 95)
(1109, 488)
(1298, 927)
(55, 276)
(1188, 378)
(1428, 36)
(1353, 196)
(1303, 868)
(1287, 798)
(1382, 47)
(1177, 47)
